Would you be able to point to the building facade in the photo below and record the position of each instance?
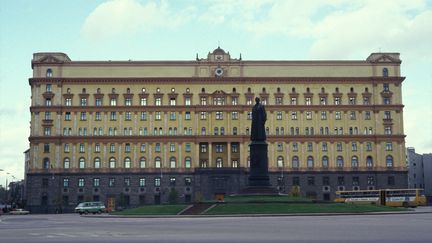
(130, 132)
(420, 172)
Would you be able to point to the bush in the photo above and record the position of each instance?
(295, 191)
(173, 196)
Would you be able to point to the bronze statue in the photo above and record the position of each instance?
(259, 117)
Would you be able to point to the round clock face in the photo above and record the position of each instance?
(218, 57)
(219, 71)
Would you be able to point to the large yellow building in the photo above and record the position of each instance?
(128, 132)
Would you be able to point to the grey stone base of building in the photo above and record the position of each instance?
(46, 193)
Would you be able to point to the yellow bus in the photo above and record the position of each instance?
(388, 197)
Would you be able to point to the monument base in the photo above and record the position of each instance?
(258, 176)
(259, 190)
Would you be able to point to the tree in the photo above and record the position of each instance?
(173, 196)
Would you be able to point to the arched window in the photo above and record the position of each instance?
(354, 162)
(389, 161)
(157, 162)
(203, 131)
(216, 131)
(160, 131)
(247, 130)
(155, 131)
(295, 162)
(222, 131)
(219, 162)
(170, 131)
(280, 162)
(267, 130)
(339, 162)
(66, 163)
(277, 130)
(112, 163)
(188, 162)
(46, 163)
(49, 73)
(127, 162)
(325, 162)
(97, 163)
(385, 72)
(369, 162)
(310, 162)
(172, 162)
(142, 162)
(234, 130)
(81, 163)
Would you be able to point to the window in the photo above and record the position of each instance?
(309, 147)
(81, 182)
(47, 115)
(98, 116)
(81, 163)
(369, 162)
(323, 115)
(295, 162)
(97, 163)
(46, 148)
(98, 102)
(172, 162)
(68, 102)
(187, 115)
(96, 182)
(188, 162)
(293, 101)
(324, 146)
(112, 148)
(279, 115)
(279, 147)
(219, 162)
(325, 162)
(112, 163)
(157, 162)
(308, 115)
(389, 161)
(158, 116)
(339, 162)
(157, 181)
(127, 163)
(128, 116)
(66, 163)
(158, 101)
(113, 102)
(219, 115)
(387, 130)
(219, 148)
(172, 147)
(172, 116)
(280, 161)
(389, 146)
(126, 182)
(355, 181)
(47, 131)
(203, 148)
(294, 115)
(157, 147)
(367, 115)
(354, 146)
(338, 115)
(310, 162)
(142, 182)
(385, 72)
(65, 182)
(339, 147)
(111, 182)
(295, 146)
(142, 162)
(113, 116)
(387, 115)
(354, 162)
(337, 100)
(81, 148)
(353, 115)
(249, 115)
(203, 101)
(203, 115)
(386, 87)
(308, 101)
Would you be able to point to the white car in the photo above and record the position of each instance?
(19, 211)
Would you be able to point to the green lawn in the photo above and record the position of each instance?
(264, 199)
(153, 210)
(287, 208)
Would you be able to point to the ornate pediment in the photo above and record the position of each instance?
(384, 58)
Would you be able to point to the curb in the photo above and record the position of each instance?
(253, 215)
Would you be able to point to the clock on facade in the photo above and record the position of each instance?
(219, 71)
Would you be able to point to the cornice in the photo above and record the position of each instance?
(222, 80)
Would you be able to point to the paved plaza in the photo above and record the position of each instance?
(348, 228)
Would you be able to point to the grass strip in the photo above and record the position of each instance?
(153, 210)
(283, 208)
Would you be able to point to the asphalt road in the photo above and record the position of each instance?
(74, 228)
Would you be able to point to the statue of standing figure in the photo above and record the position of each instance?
(259, 117)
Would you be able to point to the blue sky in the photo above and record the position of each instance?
(178, 29)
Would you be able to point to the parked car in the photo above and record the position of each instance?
(90, 207)
(19, 211)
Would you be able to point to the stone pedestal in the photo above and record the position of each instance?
(258, 176)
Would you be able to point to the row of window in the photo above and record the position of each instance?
(295, 162)
(219, 115)
(355, 181)
(127, 182)
(221, 98)
(172, 131)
